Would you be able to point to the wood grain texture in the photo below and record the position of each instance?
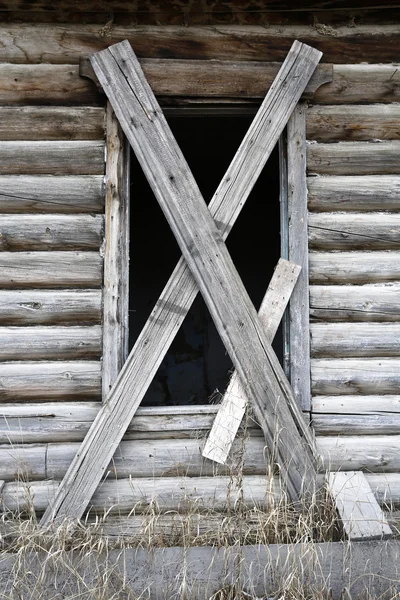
(349, 405)
(50, 269)
(370, 453)
(355, 267)
(234, 401)
(49, 232)
(354, 193)
(116, 254)
(51, 123)
(355, 339)
(181, 290)
(345, 303)
(365, 376)
(347, 158)
(353, 231)
(353, 123)
(52, 158)
(41, 193)
(50, 307)
(31, 381)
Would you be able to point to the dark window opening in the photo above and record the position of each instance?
(197, 366)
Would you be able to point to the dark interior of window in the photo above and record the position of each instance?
(196, 368)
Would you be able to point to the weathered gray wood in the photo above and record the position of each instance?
(50, 269)
(49, 232)
(354, 193)
(298, 322)
(50, 307)
(343, 376)
(234, 401)
(181, 290)
(378, 453)
(23, 462)
(360, 514)
(52, 158)
(51, 123)
(367, 424)
(30, 381)
(354, 267)
(359, 122)
(355, 339)
(352, 231)
(50, 343)
(116, 254)
(41, 193)
(369, 405)
(347, 158)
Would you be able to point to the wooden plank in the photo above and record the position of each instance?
(344, 376)
(50, 307)
(354, 193)
(360, 425)
(347, 158)
(49, 232)
(353, 123)
(41, 193)
(359, 512)
(50, 269)
(51, 123)
(298, 322)
(30, 381)
(354, 267)
(352, 231)
(349, 405)
(50, 343)
(379, 454)
(52, 158)
(355, 339)
(243, 171)
(234, 401)
(116, 254)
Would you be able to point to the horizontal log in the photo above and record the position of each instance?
(379, 454)
(50, 343)
(59, 43)
(51, 123)
(50, 232)
(50, 269)
(349, 158)
(354, 267)
(354, 193)
(352, 123)
(360, 405)
(41, 193)
(371, 424)
(47, 381)
(355, 302)
(52, 158)
(348, 376)
(355, 339)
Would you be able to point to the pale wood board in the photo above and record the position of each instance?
(354, 267)
(344, 376)
(354, 193)
(347, 158)
(370, 453)
(375, 422)
(225, 213)
(234, 401)
(360, 514)
(52, 158)
(355, 339)
(359, 405)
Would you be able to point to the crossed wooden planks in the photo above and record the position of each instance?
(202, 245)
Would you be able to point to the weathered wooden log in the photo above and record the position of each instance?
(379, 454)
(344, 376)
(347, 158)
(354, 193)
(354, 267)
(350, 405)
(52, 158)
(355, 302)
(50, 343)
(30, 381)
(355, 339)
(360, 122)
(359, 425)
(51, 123)
(50, 307)
(50, 269)
(353, 231)
(41, 193)
(49, 232)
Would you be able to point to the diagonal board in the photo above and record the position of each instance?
(91, 461)
(234, 402)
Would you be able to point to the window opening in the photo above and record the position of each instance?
(197, 366)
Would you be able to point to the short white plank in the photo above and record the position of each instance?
(361, 516)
